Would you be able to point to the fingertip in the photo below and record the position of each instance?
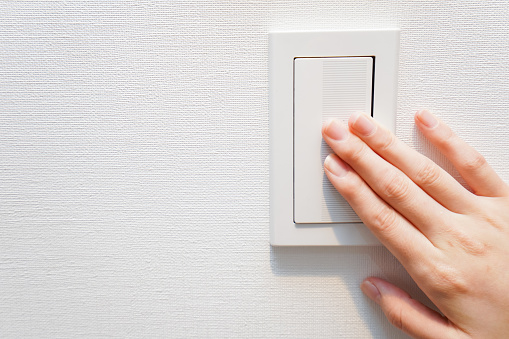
(406, 313)
(370, 290)
(362, 124)
(326, 124)
(335, 130)
(334, 165)
(386, 288)
(425, 118)
(353, 118)
(419, 112)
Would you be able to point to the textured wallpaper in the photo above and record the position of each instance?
(134, 174)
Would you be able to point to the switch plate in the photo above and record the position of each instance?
(309, 76)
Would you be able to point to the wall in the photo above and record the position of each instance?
(134, 163)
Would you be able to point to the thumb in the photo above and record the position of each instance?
(407, 314)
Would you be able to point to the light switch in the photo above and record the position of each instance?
(315, 76)
(324, 88)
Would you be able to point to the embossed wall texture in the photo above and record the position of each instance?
(134, 174)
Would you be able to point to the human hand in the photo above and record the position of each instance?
(454, 243)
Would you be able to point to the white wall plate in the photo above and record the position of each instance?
(315, 76)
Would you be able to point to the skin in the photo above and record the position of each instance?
(452, 241)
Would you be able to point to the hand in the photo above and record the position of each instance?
(454, 243)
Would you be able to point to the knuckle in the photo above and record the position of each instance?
(477, 248)
(395, 316)
(396, 187)
(448, 281)
(474, 247)
(388, 142)
(474, 162)
(468, 244)
(355, 154)
(428, 175)
(348, 188)
(446, 140)
(385, 220)
(490, 218)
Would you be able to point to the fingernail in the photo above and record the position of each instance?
(335, 130)
(427, 119)
(362, 124)
(369, 289)
(336, 166)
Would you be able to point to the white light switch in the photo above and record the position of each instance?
(324, 88)
(315, 76)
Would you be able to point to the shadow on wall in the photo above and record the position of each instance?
(350, 265)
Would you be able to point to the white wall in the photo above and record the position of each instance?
(134, 163)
